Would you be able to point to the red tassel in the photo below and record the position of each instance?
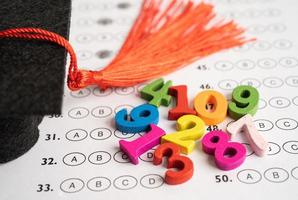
(160, 41)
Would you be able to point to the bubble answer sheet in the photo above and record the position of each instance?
(77, 155)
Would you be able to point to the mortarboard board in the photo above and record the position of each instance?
(31, 73)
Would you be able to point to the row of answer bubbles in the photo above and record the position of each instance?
(273, 175)
(121, 157)
(290, 147)
(269, 82)
(278, 102)
(88, 38)
(97, 112)
(282, 124)
(102, 157)
(101, 183)
(101, 93)
(240, 1)
(264, 63)
(104, 6)
(252, 13)
(104, 21)
(101, 54)
(261, 45)
(78, 158)
(101, 38)
(108, 36)
(227, 84)
(282, 44)
(272, 28)
(78, 134)
(151, 181)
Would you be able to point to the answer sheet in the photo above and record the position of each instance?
(77, 155)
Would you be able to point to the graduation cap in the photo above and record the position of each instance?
(31, 73)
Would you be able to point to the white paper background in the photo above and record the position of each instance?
(271, 64)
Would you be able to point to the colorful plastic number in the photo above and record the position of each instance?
(190, 128)
(175, 160)
(182, 108)
(219, 108)
(157, 93)
(139, 146)
(228, 155)
(257, 142)
(245, 100)
(140, 119)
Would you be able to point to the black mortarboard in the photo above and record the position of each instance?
(31, 72)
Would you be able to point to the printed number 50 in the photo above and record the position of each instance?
(222, 178)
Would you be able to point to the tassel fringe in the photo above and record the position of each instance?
(160, 42)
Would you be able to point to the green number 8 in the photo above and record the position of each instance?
(245, 100)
